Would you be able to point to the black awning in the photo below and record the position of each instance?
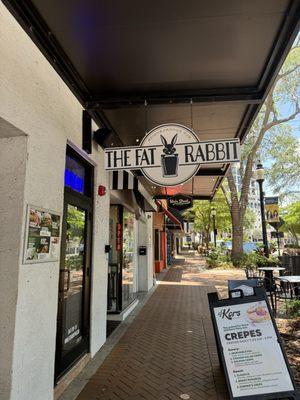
(136, 64)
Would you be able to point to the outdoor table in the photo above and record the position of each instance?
(293, 280)
(269, 275)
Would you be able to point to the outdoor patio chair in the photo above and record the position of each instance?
(285, 295)
(295, 292)
(255, 274)
(252, 273)
(271, 291)
(295, 261)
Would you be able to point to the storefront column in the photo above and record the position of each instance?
(12, 179)
(145, 262)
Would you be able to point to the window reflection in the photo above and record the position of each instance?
(73, 284)
(128, 267)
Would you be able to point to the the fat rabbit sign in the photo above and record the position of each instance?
(171, 154)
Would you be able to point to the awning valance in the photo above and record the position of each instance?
(172, 214)
(124, 180)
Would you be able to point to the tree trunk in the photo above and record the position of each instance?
(237, 218)
(207, 239)
(237, 242)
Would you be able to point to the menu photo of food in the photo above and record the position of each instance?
(35, 218)
(38, 247)
(43, 236)
(258, 313)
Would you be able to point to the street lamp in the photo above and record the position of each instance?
(260, 177)
(214, 213)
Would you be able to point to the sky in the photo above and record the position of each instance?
(286, 109)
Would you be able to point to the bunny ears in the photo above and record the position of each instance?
(165, 143)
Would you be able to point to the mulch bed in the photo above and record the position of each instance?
(290, 332)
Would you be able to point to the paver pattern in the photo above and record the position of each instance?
(169, 349)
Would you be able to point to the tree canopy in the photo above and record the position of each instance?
(283, 171)
(201, 213)
(280, 107)
(291, 217)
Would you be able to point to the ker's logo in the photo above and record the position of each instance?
(227, 313)
(171, 154)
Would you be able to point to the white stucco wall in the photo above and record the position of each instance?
(145, 263)
(150, 240)
(12, 179)
(142, 260)
(35, 100)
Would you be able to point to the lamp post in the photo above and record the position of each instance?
(214, 213)
(260, 177)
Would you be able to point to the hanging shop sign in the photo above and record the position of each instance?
(272, 209)
(250, 348)
(276, 235)
(42, 241)
(277, 225)
(180, 202)
(119, 236)
(171, 154)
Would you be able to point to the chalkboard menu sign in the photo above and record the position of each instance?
(250, 348)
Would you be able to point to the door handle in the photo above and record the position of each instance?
(62, 287)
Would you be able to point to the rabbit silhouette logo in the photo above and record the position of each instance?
(171, 154)
(167, 142)
(169, 159)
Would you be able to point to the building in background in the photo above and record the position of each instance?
(254, 233)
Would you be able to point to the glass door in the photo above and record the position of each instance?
(74, 282)
(114, 288)
(128, 264)
(122, 264)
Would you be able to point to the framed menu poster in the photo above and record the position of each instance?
(42, 236)
(250, 348)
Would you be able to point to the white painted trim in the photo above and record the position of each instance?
(124, 314)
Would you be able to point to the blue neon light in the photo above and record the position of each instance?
(74, 181)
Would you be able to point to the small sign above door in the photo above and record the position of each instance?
(180, 202)
(171, 154)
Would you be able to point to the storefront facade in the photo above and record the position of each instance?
(65, 232)
(131, 253)
(53, 294)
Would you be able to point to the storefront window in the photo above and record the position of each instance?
(74, 175)
(157, 245)
(128, 265)
(114, 262)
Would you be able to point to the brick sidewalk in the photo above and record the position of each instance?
(168, 350)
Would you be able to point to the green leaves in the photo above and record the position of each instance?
(271, 139)
(283, 172)
(201, 211)
(291, 217)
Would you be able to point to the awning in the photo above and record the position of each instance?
(172, 214)
(207, 65)
(123, 180)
